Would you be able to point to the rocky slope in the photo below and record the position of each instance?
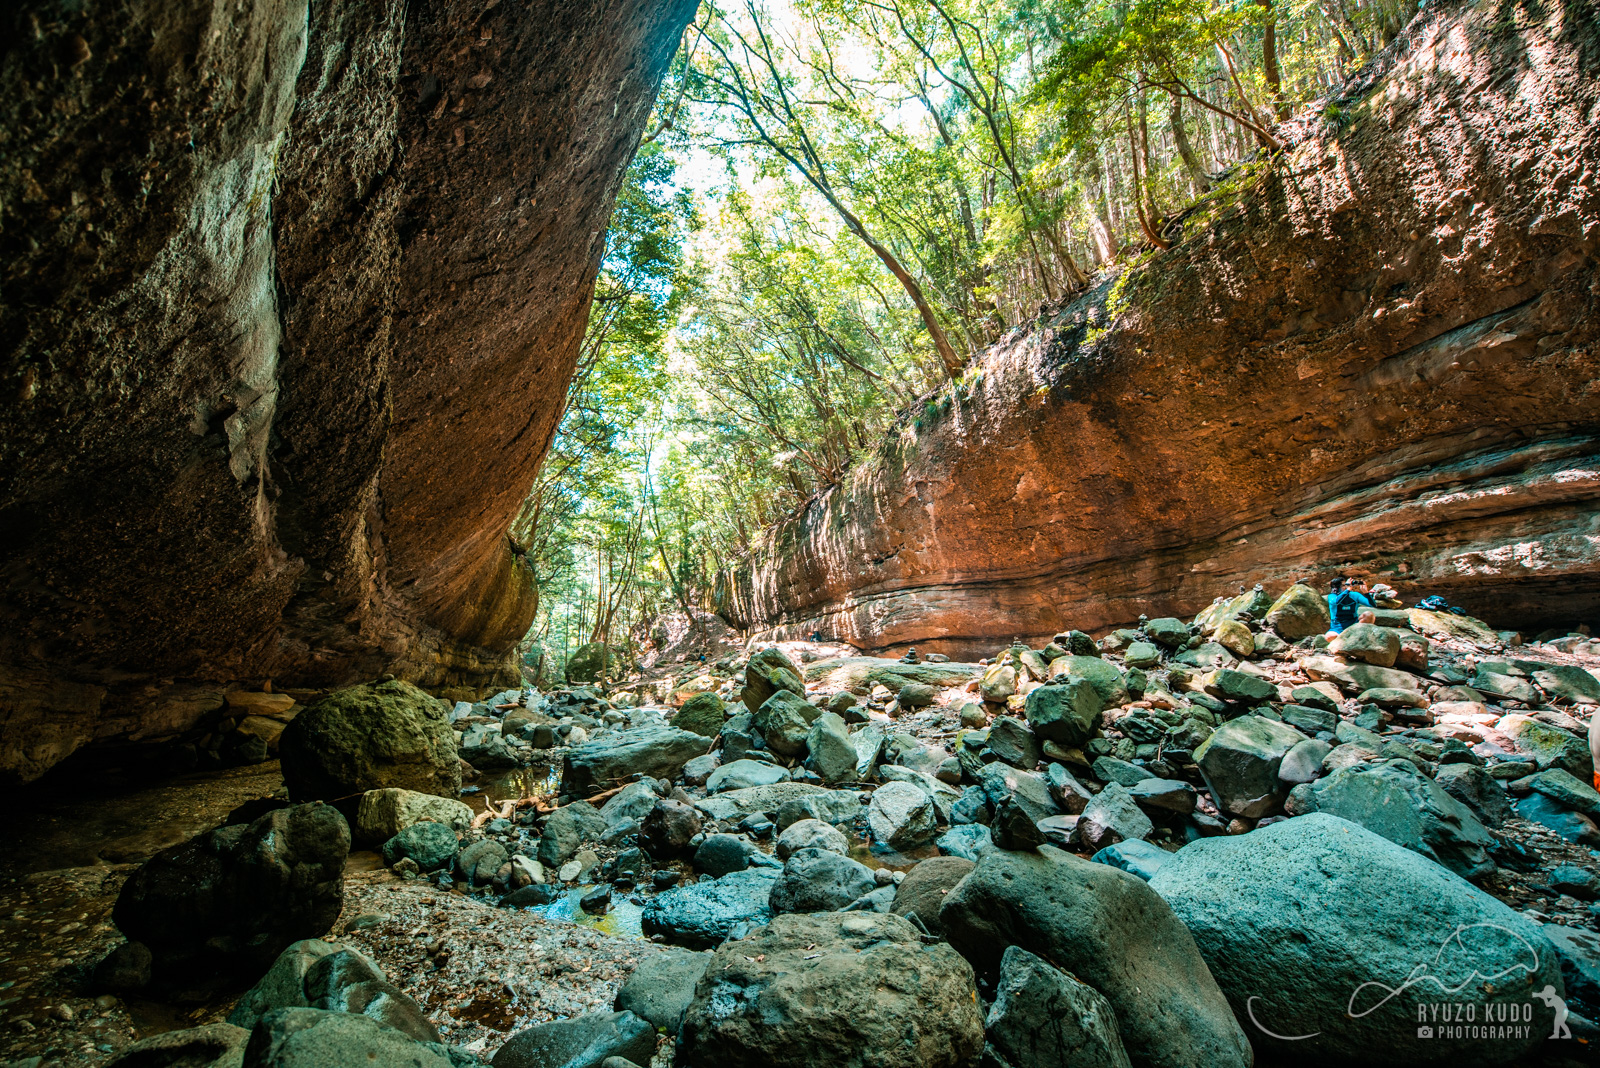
(291, 296)
(1376, 354)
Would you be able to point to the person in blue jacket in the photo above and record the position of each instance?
(1346, 598)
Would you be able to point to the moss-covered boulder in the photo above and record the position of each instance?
(371, 737)
(702, 714)
(1299, 613)
(768, 672)
(593, 661)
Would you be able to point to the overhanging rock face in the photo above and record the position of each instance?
(1379, 353)
(291, 296)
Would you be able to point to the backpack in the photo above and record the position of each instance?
(1346, 609)
(1435, 603)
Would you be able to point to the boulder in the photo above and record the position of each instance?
(1001, 783)
(1107, 680)
(702, 714)
(1240, 762)
(811, 834)
(829, 750)
(1112, 817)
(659, 752)
(480, 862)
(915, 695)
(1550, 746)
(784, 720)
(632, 802)
(314, 973)
(1012, 741)
(923, 890)
(661, 987)
(1312, 928)
(868, 743)
(1170, 632)
(1142, 655)
(1236, 638)
(1065, 713)
(999, 682)
(832, 990)
(227, 902)
(967, 841)
(720, 854)
(1165, 797)
(1111, 931)
(1579, 953)
(1134, 857)
(817, 880)
(316, 1038)
(382, 814)
(703, 915)
(901, 816)
(1368, 643)
(430, 846)
(1573, 826)
(830, 806)
(1568, 682)
(486, 749)
(390, 734)
(1300, 612)
(1313, 720)
(1395, 800)
(217, 1045)
(1225, 684)
(580, 1042)
(1303, 762)
(1041, 1016)
(1474, 787)
(745, 773)
(567, 829)
(1567, 790)
(666, 832)
(768, 672)
(1356, 677)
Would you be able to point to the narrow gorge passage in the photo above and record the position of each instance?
(650, 533)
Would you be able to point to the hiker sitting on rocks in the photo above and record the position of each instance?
(1348, 604)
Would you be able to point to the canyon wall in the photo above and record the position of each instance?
(290, 294)
(1376, 354)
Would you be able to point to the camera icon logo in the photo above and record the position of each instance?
(1424, 1032)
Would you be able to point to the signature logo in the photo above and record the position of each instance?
(1526, 960)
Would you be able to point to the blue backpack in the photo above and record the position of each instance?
(1346, 609)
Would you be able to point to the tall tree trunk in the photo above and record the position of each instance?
(1269, 60)
(1191, 162)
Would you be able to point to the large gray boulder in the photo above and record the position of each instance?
(370, 738)
(580, 1042)
(1043, 1017)
(314, 973)
(817, 880)
(1111, 931)
(784, 720)
(705, 914)
(317, 1038)
(1065, 713)
(1322, 932)
(229, 901)
(566, 829)
(743, 774)
(768, 672)
(661, 987)
(834, 990)
(659, 752)
(1396, 800)
(1240, 762)
(382, 814)
(810, 834)
(1106, 678)
(212, 1045)
(923, 890)
(901, 816)
(829, 751)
